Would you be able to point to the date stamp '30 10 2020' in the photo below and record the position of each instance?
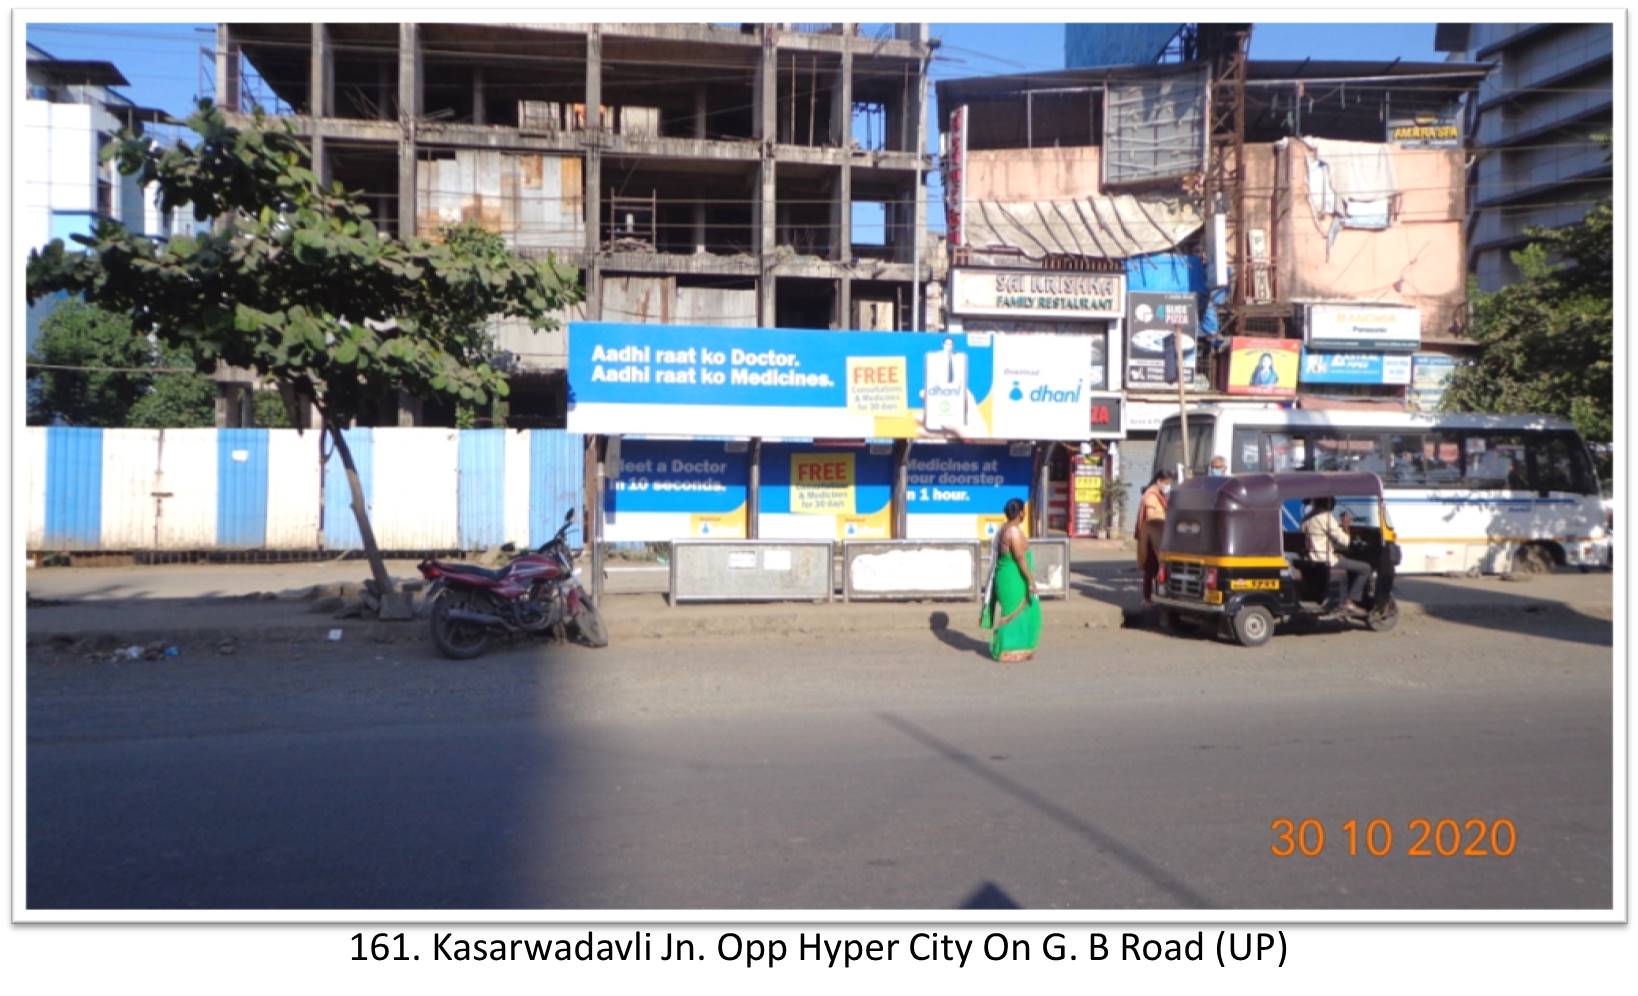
(1420, 838)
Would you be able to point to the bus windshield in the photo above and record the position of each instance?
(1169, 444)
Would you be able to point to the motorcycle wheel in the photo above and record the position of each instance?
(459, 641)
(588, 625)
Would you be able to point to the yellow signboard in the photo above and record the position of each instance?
(1088, 490)
(1255, 584)
(822, 484)
(876, 385)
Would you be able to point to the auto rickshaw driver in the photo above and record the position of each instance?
(1330, 543)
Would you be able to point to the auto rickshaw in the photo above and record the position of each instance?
(1234, 555)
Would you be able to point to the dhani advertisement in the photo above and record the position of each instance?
(710, 381)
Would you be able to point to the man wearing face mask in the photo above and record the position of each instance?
(1151, 524)
(1219, 467)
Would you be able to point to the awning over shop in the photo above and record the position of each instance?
(1115, 226)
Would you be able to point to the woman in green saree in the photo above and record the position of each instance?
(1011, 607)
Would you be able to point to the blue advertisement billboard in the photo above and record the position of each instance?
(1355, 368)
(674, 489)
(958, 491)
(718, 381)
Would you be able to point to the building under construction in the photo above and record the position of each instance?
(696, 174)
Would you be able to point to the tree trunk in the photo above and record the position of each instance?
(392, 606)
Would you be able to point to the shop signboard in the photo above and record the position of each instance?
(1436, 130)
(1037, 294)
(959, 490)
(720, 381)
(1108, 417)
(955, 176)
(825, 492)
(1355, 368)
(1086, 494)
(1430, 375)
(676, 489)
(1263, 366)
(1153, 318)
(1096, 333)
(1364, 327)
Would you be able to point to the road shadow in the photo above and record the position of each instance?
(1101, 840)
(989, 896)
(939, 623)
(1495, 611)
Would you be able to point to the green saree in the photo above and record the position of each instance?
(1016, 639)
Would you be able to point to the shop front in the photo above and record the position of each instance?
(1088, 306)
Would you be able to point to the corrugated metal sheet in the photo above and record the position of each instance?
(340, 526)
(73, 489)
(241, 488)
(557, 479)
(533, 200)
(34, 441)
(295, 493)
(415, 502)
(482, 488)
(129, 459)
(184, 489)
(518, 462)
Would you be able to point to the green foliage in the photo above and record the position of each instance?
(270, 412)
(1547, 341)
(295, 281)
(123, 385)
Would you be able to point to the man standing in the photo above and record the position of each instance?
(1151, 524)
(1325, 535)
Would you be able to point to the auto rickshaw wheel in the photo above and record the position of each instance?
(1384, 618)
(1253, 625)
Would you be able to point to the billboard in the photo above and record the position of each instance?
(784, 383)
(816, 492)
(1441, 130)
(676, 489)
(958, 491)
(1430, 375)
(1263, 366)
(1355, 368)
(1153, 317)
(1037, 294)
(1352, 327)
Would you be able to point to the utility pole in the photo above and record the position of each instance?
(1182, 399)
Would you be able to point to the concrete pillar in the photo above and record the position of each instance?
(702, 110)
(594, 173)
(320, 96)
(479, 110)
(767, 123)
(227, 69)
(409, 113)
(409, 410)
(844, 303)
(841, 136)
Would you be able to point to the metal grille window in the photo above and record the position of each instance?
(1187, 580)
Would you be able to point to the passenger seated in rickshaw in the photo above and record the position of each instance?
(1325, 536)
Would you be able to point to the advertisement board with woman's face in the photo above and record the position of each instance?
(1263, 366)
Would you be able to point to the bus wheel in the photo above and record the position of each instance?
(1533, 558)
(1253, 625)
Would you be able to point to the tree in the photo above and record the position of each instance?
(294, 280)
(1547, 341)
(93, 370)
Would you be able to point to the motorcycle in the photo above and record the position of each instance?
(537, 593)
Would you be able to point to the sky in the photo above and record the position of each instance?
(167, 70)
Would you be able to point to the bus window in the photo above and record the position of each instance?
(1247, 457)
(1169, 445)
(1405, 463)
(1349, 451)
(1562, 464)
(1441, 458)
(1497, 460)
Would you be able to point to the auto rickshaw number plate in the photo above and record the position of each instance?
(1255, 584)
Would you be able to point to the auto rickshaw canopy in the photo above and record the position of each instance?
(1239, 516)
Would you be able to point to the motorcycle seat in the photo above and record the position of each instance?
(473, 569)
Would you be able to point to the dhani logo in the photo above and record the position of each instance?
(1046, 393)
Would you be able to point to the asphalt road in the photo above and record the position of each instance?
(1129, 770)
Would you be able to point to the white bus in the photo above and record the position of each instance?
(1466, 493)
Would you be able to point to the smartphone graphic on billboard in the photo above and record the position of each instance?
(945, 388)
